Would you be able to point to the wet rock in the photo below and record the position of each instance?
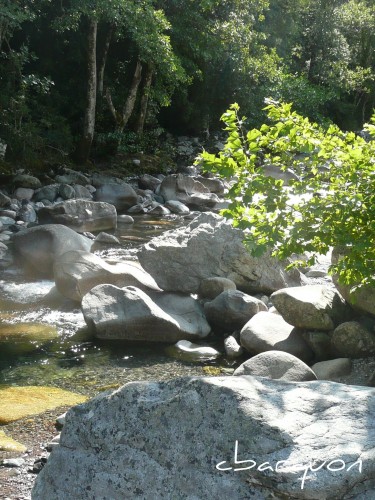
(311, 307)
(80, 215)
(170, 439)
(125, 219)
(122, 196)
(107, 238)
(209, 246)
(82, 193)
(39, 246)
(187, 351)
(77, 272)
(231, 309)
(278, 366)
(129, 314)
(270, 332)
(27, 213)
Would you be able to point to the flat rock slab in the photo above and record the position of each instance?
(216, 437)
(129, 314)
(267, 332)
(209, 246)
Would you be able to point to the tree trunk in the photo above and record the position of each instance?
(144, 99)
(84, 147)
(130, 101)
(103, 60)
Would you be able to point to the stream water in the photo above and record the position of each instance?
(44, 341)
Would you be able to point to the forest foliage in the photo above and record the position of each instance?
(85, 77)
(328, 204)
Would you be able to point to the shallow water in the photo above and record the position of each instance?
(73, 359)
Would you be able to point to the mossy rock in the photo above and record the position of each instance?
(9, 444)
(21, 338)
(20, 402)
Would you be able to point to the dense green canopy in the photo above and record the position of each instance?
(85, 76)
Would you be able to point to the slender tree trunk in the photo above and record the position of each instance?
(103, 60)
(130, 101)
(84, 147)
(144, 99)
(121, 119)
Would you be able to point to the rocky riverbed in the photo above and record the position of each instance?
(108, 280)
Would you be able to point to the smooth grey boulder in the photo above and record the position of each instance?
(81, 192)
(27, 213)
(213, 185)
(232, 348)
(209, 246)
(210, 288)
(147, 181)
(50, 193)
(277, 365)
(23, 193)
(333, 368)
(270, 332)
(39, 246)
(352, 340)
(77, 272)
(186, 190)
(122, 196)
(130, 314)
(26, 181)
(177, 207)
(218, 438)
(231, 309)
(72, 177)
(317, 307)
(67, 192)
(80, 215)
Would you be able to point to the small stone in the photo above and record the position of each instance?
(13, 462)
(60, 420)
(232, 348)
(107, 238)
(326, 370)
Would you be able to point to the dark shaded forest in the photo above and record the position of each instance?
(89, 79)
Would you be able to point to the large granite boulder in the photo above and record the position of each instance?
(218, 438)
(231, 310)
(317, 307)
(38, 247)
(270, 332)
(77, 272)
(122, 196)
(277, 365)
(187, 190)
(129, 314)
(209, 246)
(80, 215)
